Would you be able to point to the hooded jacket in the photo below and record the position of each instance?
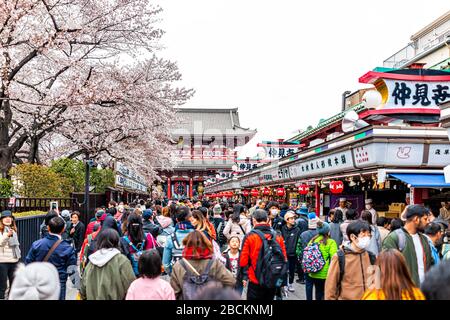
(180, 234)
(355, 279)
(107, 277)
(291, 238)
(237, 229)
(9, 248)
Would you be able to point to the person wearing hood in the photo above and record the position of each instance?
(291, 235)
(148, 225)
(9, 250)
(89, 244)
(198, 258)
(36, 281)
(350, 268)
(217, 216)
(109, 273)
(93, 226)
(238, 224)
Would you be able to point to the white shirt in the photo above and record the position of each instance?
(419, 253)
(57, 235)
(374, 216)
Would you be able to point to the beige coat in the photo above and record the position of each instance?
(357, 276)
(233, 228)
(6, 252)
(218, 273)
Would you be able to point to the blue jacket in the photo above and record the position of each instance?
(63, 256)
(434, 252)
(167, 255)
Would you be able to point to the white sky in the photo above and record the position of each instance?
(285, 64)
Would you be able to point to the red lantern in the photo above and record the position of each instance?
(266, 191)
(229, 194)
(303, 189)
(245, 193)
(336, 187)
(254, 192)
(281, 192)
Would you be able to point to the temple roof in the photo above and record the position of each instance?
(198, 120)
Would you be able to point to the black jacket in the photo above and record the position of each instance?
(291, 237)
(78, 235)
(152, 228)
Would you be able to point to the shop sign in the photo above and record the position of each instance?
(439, 154)
(125, 171)
(332, 163)
(416, 94)
(129, 183)
(244, 167)
(401, 154)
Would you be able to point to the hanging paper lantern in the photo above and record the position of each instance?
(336, 187)
(254, 192)
(281, 192)
(303, 189)
(229, 194)
(245, 193)
(266, 191)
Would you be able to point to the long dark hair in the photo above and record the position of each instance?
(237, 210)
(134, 228)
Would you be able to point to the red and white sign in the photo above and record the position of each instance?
(336, 187)
(303, 189)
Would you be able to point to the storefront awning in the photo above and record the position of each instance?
(422, 180)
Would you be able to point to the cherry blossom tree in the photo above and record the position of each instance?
(81, 77)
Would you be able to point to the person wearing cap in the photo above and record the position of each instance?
(302, 220)
(93, 225)
(369, 207)
(342, 207)
(148, 224)
(65, 214)
(291, 235)
(328, 248)
(412, 243)
(36, 281)
(9, 250)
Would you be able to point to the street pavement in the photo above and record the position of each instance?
(299, 294)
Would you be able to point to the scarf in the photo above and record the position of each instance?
(184, 225)
(194, 253)
(13, 243)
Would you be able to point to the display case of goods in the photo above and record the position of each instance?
(395, 210)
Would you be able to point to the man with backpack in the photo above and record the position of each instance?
(264, 256)
(412, 243)
(174, 246)
(350, 269)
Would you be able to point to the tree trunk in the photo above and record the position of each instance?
(6, 157)
(33, 156)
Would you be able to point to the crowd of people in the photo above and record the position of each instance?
(190, 249)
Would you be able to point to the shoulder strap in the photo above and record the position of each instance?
(243, 231)
(372, 257)
(341, 259)
(184, 263)
(208, 267)
(52, 249)
(401, 239)
(175, 240)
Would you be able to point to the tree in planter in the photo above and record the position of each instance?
(6, 188)
(36, 181)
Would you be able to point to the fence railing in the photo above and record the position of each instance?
(28, 229)
(40, 204)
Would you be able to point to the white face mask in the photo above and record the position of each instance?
(363, 242)
(274, 212)
(368, 206)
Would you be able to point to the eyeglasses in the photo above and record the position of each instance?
(290, 218)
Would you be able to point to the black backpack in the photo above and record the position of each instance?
(272, 265)
(221, 239)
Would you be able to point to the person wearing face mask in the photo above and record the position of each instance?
(350, 269)
(274, 214)
(412, 243)
(369, 207)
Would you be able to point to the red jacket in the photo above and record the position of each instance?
(251, 249)
(90, 228)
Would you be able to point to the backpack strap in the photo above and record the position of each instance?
(243, 231)
(130, 243)
(401, 239)
(175, 241)
(184, 263)
(341, 260)
(208, 267)
(52, 249)
(372, 257)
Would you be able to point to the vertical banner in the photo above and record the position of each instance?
(411, 194)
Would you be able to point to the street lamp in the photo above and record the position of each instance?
(89, 163)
